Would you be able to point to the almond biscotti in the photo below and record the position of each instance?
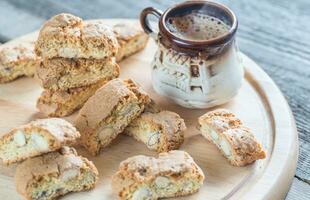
(55, 174)
(172, 174)
(131, 39)
(17, 61)
(161, 132)
(234, 140)
(108, 112)
(68, 36)
(37, 137)
(62, 73)
(62, 103)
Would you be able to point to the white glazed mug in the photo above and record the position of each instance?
(195, 73)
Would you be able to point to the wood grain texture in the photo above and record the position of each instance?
(259, 104)
(269, 32)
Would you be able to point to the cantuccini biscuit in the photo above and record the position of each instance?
(234, 140)
(108, 112)
(55, 174)
(16, 61)
(68, 36)
(62, 103)
(131, 39)
(37, 137)
(172, 174)
(62, 73)
(162, 131)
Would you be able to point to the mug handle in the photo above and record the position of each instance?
(145, 22)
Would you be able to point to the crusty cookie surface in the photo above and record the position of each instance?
(55, 174)
(68, 36)
(131, 39)
(108, 112)
(37, 137)
(234, 140)
(172, 174)
(162, 131)
(63, 103)
(62, 73)
(16, 61)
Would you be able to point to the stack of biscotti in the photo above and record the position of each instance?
(78, 57)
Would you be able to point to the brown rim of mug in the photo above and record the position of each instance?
(183, 43)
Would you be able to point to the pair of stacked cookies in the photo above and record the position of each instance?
(77, 58)
(49, 167)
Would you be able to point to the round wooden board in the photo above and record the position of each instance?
(259, 104)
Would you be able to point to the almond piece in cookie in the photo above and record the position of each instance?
(68, 36)
(55, 174)
(63, 103)
(236, 142)
(108, 112)
(162, 131)
(17, 61)
(172, 174)
(37, 137)
(65, 73)
(131, 39)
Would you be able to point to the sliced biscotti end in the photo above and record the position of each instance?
(143, 97)
(55, 174)
(16, 61)
(68, 36)
(63, 103)
(162, 131)
(100, 123)
(172, 174)
(131, 39)
(236, 142)
(37, 137)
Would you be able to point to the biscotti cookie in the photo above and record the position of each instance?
(16, 61)
(55, 174)
(131, 39)
(235, 141)
(172, 174)
(37, 137)
(67, 36)
(108, 112)
(161, 131)
(62, 73)
(63, 103)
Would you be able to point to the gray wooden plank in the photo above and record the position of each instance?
(299, 191)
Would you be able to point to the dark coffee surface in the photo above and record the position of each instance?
(197, 26)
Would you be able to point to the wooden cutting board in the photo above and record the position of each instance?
(259, 104)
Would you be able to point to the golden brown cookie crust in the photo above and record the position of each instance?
(143, 172)
(54, 164)
(131, 39)
(46, 134)
(99, 123)
(68, 36)
(16, 61)
(244, 147)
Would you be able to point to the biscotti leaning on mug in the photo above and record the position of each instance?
(236, 142)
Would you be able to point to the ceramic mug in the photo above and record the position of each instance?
(195, 73)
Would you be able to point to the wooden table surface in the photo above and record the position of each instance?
(274, 33)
